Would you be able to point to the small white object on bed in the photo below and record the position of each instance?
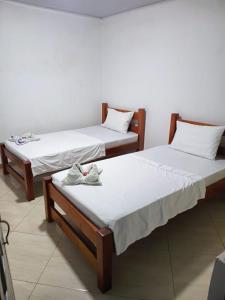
(142, 191)
(198, 140)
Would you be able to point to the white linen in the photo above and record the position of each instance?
(198, 140)
(137, 195)
(111, 138)
(118, 121)
(79, 174)
(24, 138)
(58, 150)
(211, 170)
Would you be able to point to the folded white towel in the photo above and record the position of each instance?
(24, 138)
(79, 175)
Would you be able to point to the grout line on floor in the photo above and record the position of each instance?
(15, 279)
(25, 281)
(170, 262)
(36, 283)
(19, 222)
(217, 231)
(86, 291)
(31, 233)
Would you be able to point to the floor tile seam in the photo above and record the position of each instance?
(87, 291)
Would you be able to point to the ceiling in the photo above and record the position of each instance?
(95, 8)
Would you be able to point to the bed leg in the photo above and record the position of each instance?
(173, 126)
(104, 259)
(28, 181)
(49, 203)
(104, 111)
(141, 129)
(4, 159)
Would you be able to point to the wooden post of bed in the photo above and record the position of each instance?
(48, 202)
(173, 126)
(28, 181)
(141, 129)
(104, 259)
(4, 159)
(104, 111)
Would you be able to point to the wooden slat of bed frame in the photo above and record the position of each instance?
(74, 237)
(101, 258)
(214, 188)
(15, 174)
(86, 226)
(128, 148)
(20, 162)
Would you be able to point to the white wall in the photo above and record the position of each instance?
(49, 69)
(167, 57)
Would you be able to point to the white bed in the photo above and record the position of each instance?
(143, 190)
(210, 170)
(59, 150)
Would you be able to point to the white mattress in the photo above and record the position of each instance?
(110, 138)
(143, 190)
(59, 150)
(211, 170)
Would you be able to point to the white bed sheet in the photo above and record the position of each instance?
(137, 195)
(211, 170)
(59, 150)
(111, 138)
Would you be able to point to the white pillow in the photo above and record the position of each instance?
(198, 140)
(118, 121)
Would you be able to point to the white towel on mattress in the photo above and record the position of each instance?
(83, 175)
(24, 138)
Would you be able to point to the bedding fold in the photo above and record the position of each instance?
(83, 175)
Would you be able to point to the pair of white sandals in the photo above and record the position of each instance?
(80, 175)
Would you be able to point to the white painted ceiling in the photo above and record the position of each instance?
(95, 8)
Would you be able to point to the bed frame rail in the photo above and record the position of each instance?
(95, 243)
(23, 173)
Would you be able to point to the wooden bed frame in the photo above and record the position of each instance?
(22, 171)
(94, 242)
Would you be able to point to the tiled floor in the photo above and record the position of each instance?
(174, 262)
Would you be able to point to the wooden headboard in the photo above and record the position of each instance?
(137, 123)
(173, 127)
